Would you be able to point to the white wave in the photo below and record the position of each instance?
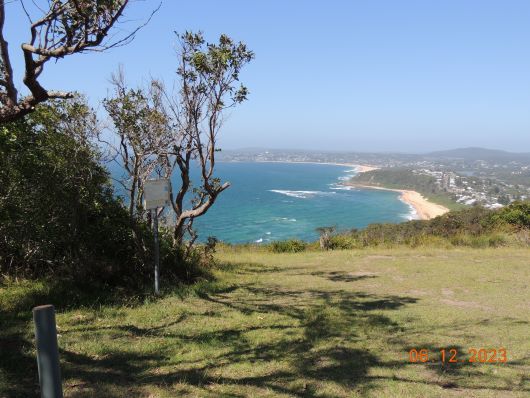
(412, 214)
(300, 194)
(259, 240)
(343, 188)
(268, 233)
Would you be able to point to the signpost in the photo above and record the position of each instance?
(156, 194)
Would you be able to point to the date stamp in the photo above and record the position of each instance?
(452, 355)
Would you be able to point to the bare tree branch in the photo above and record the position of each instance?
(67, 27)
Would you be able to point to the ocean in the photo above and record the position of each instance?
(276, 201)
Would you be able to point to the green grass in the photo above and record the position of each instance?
(312, 324)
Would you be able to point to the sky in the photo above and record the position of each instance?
(367, 76)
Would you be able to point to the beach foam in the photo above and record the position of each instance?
(300, 194)
(412, 214)
(339, 187)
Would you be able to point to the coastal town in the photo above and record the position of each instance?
(468, 177)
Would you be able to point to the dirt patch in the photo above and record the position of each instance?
(416, 292)
(465, 304)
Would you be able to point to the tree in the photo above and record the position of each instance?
(144, 137)
(208, 77)
(67, 27)
(175, 131)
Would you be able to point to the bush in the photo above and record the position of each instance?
(517, 214)
(58, 213)
(288, 246)
(344, 242)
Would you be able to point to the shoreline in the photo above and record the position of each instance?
(424, 209)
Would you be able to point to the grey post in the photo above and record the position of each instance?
(157, 249)
(47, 352)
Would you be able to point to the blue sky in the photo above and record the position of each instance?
(406, 76)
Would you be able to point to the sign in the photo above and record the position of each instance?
(156, 193)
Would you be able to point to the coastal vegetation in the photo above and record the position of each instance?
(59, 217)
(59, 214)
(473, 227)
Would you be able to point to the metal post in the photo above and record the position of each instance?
(157, 249)
(47, 352)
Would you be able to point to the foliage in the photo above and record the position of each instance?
(57, 210)
(288, 246)
(516, 214)
(401, 178)
(58, 214)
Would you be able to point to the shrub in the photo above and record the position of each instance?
(344, 242)
(517, 214)
(288, 246)
(58, 213)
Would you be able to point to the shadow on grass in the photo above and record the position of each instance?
(319, 317)
(340, 276)
(18, 366)
(243, 268)
(317, 335)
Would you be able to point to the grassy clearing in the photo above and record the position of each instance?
(322, 324)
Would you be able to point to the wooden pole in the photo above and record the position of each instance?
(47, 352)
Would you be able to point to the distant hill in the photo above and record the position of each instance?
(474, 153)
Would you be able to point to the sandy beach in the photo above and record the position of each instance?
(363, 168)
(424, 209)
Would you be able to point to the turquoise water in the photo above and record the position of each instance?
(274, 201)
